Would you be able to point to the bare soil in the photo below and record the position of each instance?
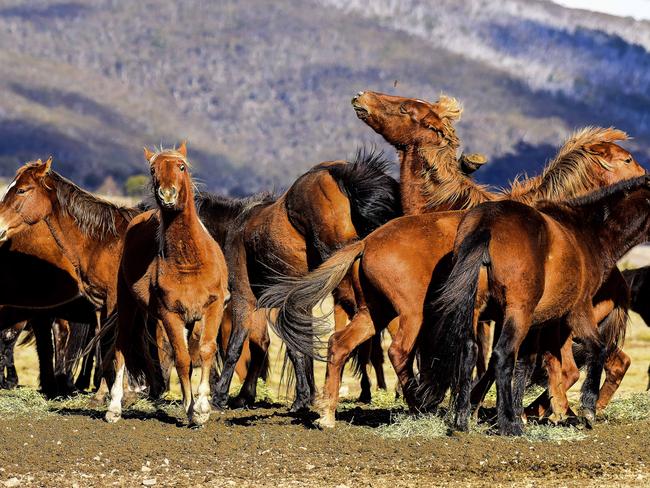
(270, 447)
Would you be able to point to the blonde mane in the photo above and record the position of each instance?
(572, 171)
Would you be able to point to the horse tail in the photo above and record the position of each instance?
(613, 328)
(80, 334)
(454, 308)
(373, 194)
(295, 297)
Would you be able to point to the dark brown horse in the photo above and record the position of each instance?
(540, 266)
(333, 204)
(397, 268)
(171, 270)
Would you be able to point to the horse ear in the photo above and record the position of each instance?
(44, 167)
(183, 149)
(469, 163)
(148, 154)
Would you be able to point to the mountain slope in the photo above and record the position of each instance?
(261, 89)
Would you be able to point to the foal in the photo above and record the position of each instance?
(539, 266)
(171, 270)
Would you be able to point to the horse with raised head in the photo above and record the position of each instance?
(174, 271)
(540, 267)
(397, 268)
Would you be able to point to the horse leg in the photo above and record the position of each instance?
(362, 354)
(176, 331)
(207, 351)
(616, 365)
(524, 367)
(42, 327)
(400, 353)
(242, 305)
(377, 361)
(570, 375)
(341, 344)
(484, 347)
(258, 344)
(583, 319)
(515, 328)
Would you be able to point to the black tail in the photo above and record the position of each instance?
(295, 299)
(374, 195)
(454, 308)
(80, 334)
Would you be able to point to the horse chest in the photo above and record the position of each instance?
(186, 295)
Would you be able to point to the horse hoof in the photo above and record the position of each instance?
(199, 419)
(112, 417)
(588, 419)
(299, 406)
(241, 402)
(325, 422)
(365, 398)
(220, 403)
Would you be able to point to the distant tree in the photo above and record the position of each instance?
(135, 186)
(109, 187)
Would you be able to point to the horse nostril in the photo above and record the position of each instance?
(3, 233)
(173, 191)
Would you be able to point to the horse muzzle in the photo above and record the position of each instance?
(168, 196)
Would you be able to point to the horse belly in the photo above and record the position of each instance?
(563, 280)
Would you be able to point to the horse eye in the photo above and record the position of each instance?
(628, 160)
(402, 109)
(182, 167)
(21, 191)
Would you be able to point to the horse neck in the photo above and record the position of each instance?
(445, 186)
(180, 235)
(613, 226)
(412, 181)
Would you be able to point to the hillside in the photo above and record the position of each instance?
(261, 89)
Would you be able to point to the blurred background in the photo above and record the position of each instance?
(261, 89)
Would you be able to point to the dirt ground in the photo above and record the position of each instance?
(268, 447)
(66, 443)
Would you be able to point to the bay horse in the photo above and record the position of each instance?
(333, 204)
(174, 271)
(538, 266)
(397, 268)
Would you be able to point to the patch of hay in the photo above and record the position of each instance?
(633, 407)
(21, 402)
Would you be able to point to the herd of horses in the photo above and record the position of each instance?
(194, 280)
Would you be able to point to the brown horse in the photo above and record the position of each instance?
(78, 235)
(538, 266)
(173, 270)
(333, 204)
(396, 269)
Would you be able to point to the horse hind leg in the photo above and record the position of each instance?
(341, 345)
(515, 328)
(616, 365)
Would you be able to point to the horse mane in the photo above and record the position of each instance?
(227, 208)
(617, 189)
(96, 217)
(445, 186)
(571, 172)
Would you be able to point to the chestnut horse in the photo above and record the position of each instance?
(172, 270)
(397, 268)
(539, 266)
